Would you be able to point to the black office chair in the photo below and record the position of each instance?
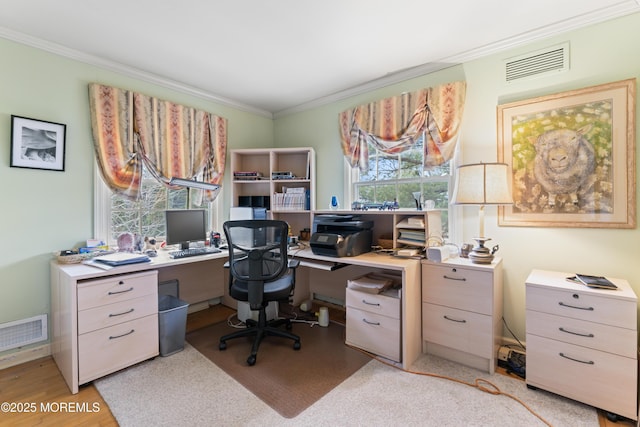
(259, 272)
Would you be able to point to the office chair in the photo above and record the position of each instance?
(259, 272)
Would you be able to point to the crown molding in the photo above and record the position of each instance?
(620, 9)
(76, 55)
(623, 8)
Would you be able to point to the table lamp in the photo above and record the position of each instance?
(482, 184)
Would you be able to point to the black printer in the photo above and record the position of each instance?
(340, 235)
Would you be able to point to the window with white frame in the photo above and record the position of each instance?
(115, 214)
(395, 177)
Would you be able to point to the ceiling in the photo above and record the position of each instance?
(280, 56)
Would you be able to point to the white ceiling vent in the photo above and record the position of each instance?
(541, 63)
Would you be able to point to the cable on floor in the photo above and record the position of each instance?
(479, 383)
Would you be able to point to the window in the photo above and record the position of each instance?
(395, 177)
(116, 215)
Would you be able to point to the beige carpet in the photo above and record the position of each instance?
(280, 372)
(187, 389)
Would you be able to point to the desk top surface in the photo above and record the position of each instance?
(370, 259)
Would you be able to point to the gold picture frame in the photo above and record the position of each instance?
(572, 158)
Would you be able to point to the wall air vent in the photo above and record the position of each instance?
(23, 332)
(544, 62)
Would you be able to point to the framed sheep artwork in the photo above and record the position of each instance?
(572, 158)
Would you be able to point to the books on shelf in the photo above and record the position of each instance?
(291, 198)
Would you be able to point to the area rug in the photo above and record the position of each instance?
(323, 362)
(187, 389)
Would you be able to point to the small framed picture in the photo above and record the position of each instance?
(37, 144)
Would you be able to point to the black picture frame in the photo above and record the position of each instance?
(37, 144)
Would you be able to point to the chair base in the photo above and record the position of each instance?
(260, 330)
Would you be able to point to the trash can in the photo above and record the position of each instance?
(172, 322)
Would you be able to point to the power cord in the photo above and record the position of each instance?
(479, 383)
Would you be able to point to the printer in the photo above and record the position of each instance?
(340, 235)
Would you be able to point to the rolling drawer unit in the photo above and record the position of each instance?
(582, 342)
(373, 323)
(462, 311)
(102, 322)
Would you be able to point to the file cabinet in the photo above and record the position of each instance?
(102, 322)
(117, 323)
(373, 322)
(462, 311)
(582, 342)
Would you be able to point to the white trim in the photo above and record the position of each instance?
(23, 356)
(622, 8)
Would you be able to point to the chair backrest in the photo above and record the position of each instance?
(257, 249)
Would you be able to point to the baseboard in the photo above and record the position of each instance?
(23, 356)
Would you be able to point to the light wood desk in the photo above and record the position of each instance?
(201, 278)
(106, 320)
(322, 279)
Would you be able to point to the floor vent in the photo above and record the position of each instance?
(536, 64)
(23, 332)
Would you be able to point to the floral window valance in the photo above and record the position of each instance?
(394, 124)
(171, 139)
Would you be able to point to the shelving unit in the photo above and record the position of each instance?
(417, 229)
(273, 178)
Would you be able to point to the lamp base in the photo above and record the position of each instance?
(481, 254)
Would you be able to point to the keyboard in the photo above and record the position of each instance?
(185, 253)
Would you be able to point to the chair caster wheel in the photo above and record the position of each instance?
(296, 345)
(251, 360)
(222, 345)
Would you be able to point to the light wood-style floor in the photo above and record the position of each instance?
(40, 396)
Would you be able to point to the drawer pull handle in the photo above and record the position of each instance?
(576, 307)
(121, 314)
(460, 279)
(371, 303)
(575, 333)
(123, 335)
(371, 323)
(120, 292)
(586, 362)
(454, 320)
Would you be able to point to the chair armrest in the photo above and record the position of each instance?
(294, 263)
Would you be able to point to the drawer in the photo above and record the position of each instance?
(612, 339)
(594, 377)
(462, 330)
(373, 303)
(119, 312)
(457, 287)
(373, 332)
(110, 349)
(94, 293)
(585, 306)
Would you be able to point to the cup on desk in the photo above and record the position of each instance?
(323, 317)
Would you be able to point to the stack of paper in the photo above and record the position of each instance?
(369, 284)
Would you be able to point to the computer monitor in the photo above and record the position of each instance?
(186, 225)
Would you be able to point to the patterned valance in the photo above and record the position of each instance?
(171, 139)
(394, 124)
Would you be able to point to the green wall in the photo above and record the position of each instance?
(45, 211)
(599, 54)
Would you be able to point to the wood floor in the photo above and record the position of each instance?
(38, 395)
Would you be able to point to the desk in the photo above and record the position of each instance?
(88, 302)
(410, 294)
(201, 278)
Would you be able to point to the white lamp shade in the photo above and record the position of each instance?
(482, 184)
